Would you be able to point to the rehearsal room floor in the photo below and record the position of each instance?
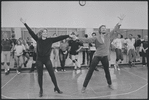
(128, 83)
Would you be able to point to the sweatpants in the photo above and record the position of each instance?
(119, 54)
(39, 64)
(132, 55)
(95, 61)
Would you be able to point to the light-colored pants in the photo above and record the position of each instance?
(74, 59)
(132, 55)
(55, 57)
(5, 58)
(137, 53)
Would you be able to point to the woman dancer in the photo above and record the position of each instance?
(43, 55)
(102, 43)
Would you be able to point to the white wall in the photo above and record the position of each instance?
(71, 14)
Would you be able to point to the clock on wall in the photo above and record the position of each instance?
(82, 3)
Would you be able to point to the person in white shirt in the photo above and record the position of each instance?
(19, 49)
(131, 49)
(118, 44)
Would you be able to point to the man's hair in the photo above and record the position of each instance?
(139, 36)
(86, 35)
(13, 35)
(121, 36)
(131, 34)
(100, 28)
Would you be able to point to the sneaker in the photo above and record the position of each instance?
(63, 70)
(83, 90)
(80, 68)
(130, 64)
(25, 64)
(31, 71)
(75, 68)
(144, 65)
(96, 69)
(115, 67)
(6, 73)
(56, 70)
(18, 72)
(118, 68)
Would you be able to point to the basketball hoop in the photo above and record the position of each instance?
(82, 3)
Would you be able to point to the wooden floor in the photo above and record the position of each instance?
(129, 83)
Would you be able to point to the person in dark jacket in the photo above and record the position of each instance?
(144, 45)
(43, 55)
(137, 47)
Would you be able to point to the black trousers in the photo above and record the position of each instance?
(85, 51)
(39, 64)
(95, 61)
(144, 55)
(62, 58)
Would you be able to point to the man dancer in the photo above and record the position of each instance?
(102, 44)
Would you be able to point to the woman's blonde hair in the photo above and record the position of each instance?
(39, 33)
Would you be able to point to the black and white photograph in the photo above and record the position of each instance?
(74, 49)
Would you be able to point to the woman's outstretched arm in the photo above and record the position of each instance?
(34, 36)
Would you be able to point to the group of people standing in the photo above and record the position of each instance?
(99, 51)
(135, 49)
(17, 49)
(44, 47)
